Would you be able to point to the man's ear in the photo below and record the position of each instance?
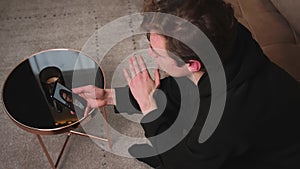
(194, 65)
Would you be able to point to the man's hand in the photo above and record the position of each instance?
(95, 97)
(142, 86)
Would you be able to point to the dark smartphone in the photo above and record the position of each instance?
(70, 100)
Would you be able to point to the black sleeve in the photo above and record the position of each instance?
(157, 121)
(154, 127)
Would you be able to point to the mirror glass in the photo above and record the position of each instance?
(28, 90)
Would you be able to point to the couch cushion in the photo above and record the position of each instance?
(286, 56)
(267, 25)
(290, 10)
(272, 31)
(237, 12)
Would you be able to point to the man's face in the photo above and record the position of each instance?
(159, 52)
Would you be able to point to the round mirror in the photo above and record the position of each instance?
(37, 93)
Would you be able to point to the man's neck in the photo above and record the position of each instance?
(196, 76)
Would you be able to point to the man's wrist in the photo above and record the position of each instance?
(111, 96)
(148, 106)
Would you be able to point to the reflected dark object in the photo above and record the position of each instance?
(24, 100)
(27, 89)
(48, 77)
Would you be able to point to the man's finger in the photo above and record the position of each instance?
(126, 76)
(72, 112)
(142, 63)
(135, 65)
(131, 68)
(82, 89)
(92, 93)
(143, 66)
(87, 109)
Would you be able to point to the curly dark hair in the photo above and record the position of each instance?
(214, 18)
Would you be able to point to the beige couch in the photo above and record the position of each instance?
(275, 24)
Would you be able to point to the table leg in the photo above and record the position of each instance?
(46, 151)
(63, 149)
(67, 139)
(107, 128)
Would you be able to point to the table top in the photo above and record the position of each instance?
(27, 98)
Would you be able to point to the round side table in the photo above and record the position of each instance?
(27, 94)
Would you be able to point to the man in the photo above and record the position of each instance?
(259, 126)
